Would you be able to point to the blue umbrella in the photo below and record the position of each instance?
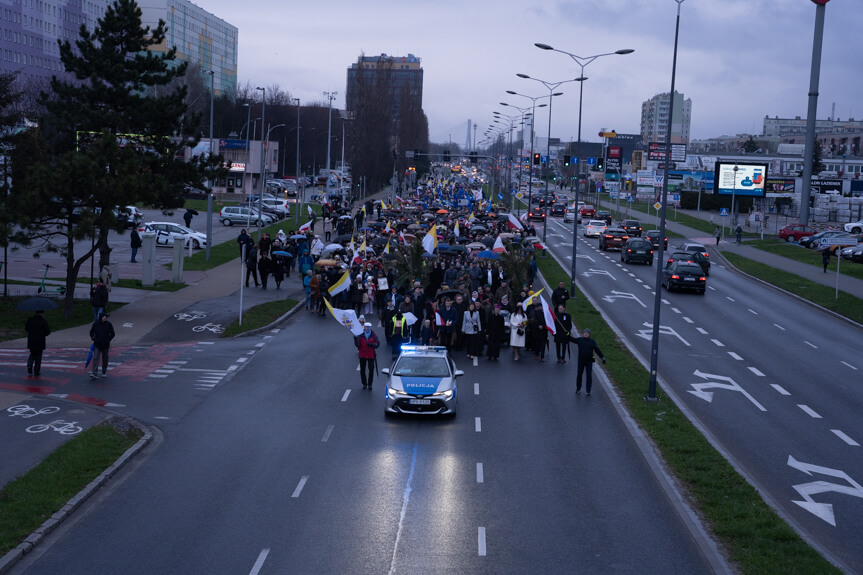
(283, 254)
(90, 356)
(488, 255)
(297, 237)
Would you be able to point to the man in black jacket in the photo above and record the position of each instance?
(102, 332)
(559, 296)
(37, 330)
(586, 348)
(563, 325)
(99, 299)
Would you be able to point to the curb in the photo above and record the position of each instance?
(271, 325)
(8, 561)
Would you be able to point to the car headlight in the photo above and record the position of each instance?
(445, 394)
(393, 393)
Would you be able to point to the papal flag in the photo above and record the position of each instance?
(430, 240)
(455, 230)
(387, 248)
(470, 219)
(388, 229)
(343, 284)
(549, 316)
(360, 254)
(529, 299)
(383, 205)
(311, 211)
(346, 317)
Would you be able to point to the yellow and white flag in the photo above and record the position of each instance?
(346, 317)
(360, 254)
(430, 240)
(343, 284)
(529, 299)
(455, 230)
(387, 249)
(383, 205)
(388, 229)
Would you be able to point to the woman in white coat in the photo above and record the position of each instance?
(471, 325)
(517, 324)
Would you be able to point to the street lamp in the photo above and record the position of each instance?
(300, 196)
(330, 96)
(533, 99)
(524, 113)
(582, 62)
(263, 178)
(246, 163)
(212, 74)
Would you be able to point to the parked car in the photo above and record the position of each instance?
(243, 216)
(604, 215)
(191, 193)
(684, 275)
(612, 238)
(854, 227)
(274, 209)
(653, 237)
(166, 232)
(812, 242)
(793, 232)
(637, 250)
(594, 228)
(632, 227)
(131, 215)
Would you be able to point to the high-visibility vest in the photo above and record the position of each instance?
(399, 329)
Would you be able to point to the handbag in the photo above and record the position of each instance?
(519, 331)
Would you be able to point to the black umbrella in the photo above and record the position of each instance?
(450, 293)
(342, 238)
(192, 211)
(489, 241)
(380, 241)
(36, 304)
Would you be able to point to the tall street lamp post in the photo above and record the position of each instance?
(330, 96)
(582, 62)
(814, 79)
(509, 122)
(262, 177)
(300, 194)
(246, 163)
(524, 113)
(210, 191)
(533, 99)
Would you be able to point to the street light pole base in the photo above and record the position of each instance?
(651, 399)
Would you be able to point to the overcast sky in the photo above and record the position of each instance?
(738, 60)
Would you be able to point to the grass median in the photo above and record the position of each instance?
(12, 321)
(754, 537)
(260, 316)
(806, 256)
(28, 501)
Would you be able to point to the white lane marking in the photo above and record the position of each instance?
(202, 370)
(665, 301)
(256, 568)
(756, 371)
(729, 298)
(780, 327)
(809, 411)
(242, 359)
(687, 320)
(779, 388)
(841, 435)
(268, 337)
(711, 288)
(345, 396)
(701, 330)
(177, 362)
(250, 352)
(260, 344)
(327, 434)
(161, 417)
(358, 367)
(477, 425)
(476, 389)
(475, 362)
(675, 310)
(206, 342)
(812, 345)
(479, 474)
(405, 498)
(735, 356)
(639, 280)
(206, 385)
(276, 330)
(646, 286)
(752, 311)
(849, 365)
(481, 541)
(232, 368)
(163, 371)
(157, 376)
(718, 343)
(300, 486)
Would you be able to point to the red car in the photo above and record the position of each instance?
(793, 232)
(587, 212)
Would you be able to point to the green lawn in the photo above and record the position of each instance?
(12, 322)
(755, 538)
(30, 500)
(160, 285)
(260, 316)
(805, 255)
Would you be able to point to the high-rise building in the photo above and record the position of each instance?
(654, 119)
(29, 30)
(403, 73)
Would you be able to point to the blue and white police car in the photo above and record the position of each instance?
(422, 381)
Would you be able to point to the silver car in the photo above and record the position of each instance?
(243, 216)
(422, 381)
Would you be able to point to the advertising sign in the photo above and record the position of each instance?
(740, 178)
(656, 152)
(645, 177)
(826, 185)
(687, 180)
(778, 187)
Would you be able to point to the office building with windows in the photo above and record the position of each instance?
(654, 119)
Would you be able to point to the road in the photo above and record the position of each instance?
(274, 460)
(774, 383)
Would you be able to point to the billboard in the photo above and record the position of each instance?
(826, 185)
(778, 187)
(656, 151)
(739, 178)
(689, 180)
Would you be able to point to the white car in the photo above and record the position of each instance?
(422, 381)
(166, 232)
(569, 215)
(854, 227)
(281, 206)
(594, 228)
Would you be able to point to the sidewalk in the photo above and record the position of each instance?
(848, 284)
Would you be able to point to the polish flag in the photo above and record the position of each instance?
(305, 227)
(438, 320)
(549, 316)
(513, 223)
(498, 247)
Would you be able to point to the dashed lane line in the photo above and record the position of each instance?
(477, 425)
(479, 473)
(327, 434)
(345, 396)
(812, 345)
(300, 486)
(476, 389)
(849, 365)
(809, 411)
(718, 343)
(756, 371)
(259, 562)
(687, 320)
(841, 435)
(752, 311)
(780, 327)
(779, 388)
(481, 541)
(735, 356)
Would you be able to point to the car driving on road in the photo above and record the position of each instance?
(684, 275)
(594, 228)
(653, 237)
(612, 238)
(422, 381)
(637, 250)
(632, 227)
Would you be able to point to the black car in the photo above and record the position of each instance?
(603, 215)
(558, 210)
(612, 238)
(653, 237)
(632, 227)
(814, 241)
(536, 214)
(684, 275)
(693, 257)
(637, 250)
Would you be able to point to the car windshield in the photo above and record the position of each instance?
(689, 268)
(418, 366)
(641, 245)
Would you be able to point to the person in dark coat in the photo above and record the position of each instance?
(252, 263)
(37, 330)
(586, 349)
(135, 241)
(265, 244)
(540, 335)
(387, 316)
(101, 332)
(265, 267)
(426, 336)
(244, 240)
(825, 258)
(563, 326)
(559, 296)
(495, 331)
(367, 342)
(187, 217)
(449, 317)
(278, 270)
(99, 299)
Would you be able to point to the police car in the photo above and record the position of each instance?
(422, 381)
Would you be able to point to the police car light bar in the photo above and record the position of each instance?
(423, 348)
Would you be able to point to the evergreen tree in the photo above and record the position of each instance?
(9, 120)
(750, 146)
(111, 138)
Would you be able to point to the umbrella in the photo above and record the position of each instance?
(476, 246)
(283, 254)
(297, 237)
(415, 227)
(506, 236)
(36, 304)
(380, 241)
(442, 211)
(488, 255)
(459, 249)
(487, 241)
(345, 217)
(334, 247)
(462, 240)
(369, 249)
(409, 237)
(449, 293)
(326, 262)
(478, 228)
(342, 238)
(90, 355)
(365, 230)
(194, 212)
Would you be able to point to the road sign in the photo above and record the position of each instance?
(675, 197)
(608, 134)
(839, 241)
(591, 161)
(630, 199)
(657, 205)
(519, 195)
(500, 196)
(723, 212)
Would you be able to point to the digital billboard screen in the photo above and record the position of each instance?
(740, 178)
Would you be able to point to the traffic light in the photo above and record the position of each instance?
(600, 163)
(446, 156)
(566, 160)
(536, 159)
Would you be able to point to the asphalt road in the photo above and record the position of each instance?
(774, 382)
(274, 460)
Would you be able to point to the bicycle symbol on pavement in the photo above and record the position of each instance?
(213, 327)
(60, 426)
(190, 315)
(27, 412)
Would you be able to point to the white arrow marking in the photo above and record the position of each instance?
(128, 324)
(731, 385)
(807, 490)
(621, 295)
(595, 272)
(663, 329)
